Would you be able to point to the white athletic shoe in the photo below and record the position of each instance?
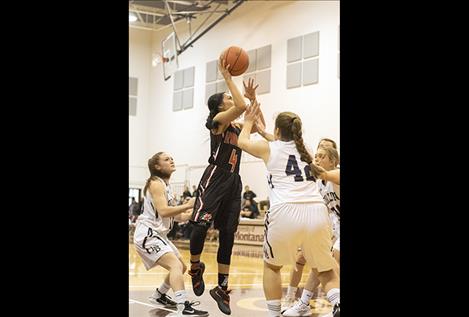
(299, 309)
(288, 301)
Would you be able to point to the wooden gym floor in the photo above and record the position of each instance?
(247, 297)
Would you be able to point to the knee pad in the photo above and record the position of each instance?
(226, 241)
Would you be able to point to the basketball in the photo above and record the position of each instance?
(237, 58)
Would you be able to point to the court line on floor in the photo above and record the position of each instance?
(209, 285)
(248, 303)
(150, 305)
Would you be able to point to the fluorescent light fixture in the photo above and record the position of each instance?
(132, 17)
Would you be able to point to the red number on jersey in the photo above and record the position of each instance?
(233, 160)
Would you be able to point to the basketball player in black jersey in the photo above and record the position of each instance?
(218, 197)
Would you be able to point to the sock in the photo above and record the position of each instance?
(273, 306)
(223, 281)
(164, 288)
(291, 291)
(306, 296)
(334, 296)
(180, 296)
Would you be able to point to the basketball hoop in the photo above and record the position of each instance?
(158, 59)
(169, 56)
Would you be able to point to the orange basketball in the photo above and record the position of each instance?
(237, 58)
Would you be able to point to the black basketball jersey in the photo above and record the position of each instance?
(224, 149)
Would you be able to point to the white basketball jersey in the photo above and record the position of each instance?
(151, 218)
(289, 178)
(330, 196)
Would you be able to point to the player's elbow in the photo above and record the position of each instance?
(241, 106)
(243, 143)
(163, 212)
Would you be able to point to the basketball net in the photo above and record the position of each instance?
(158, 59)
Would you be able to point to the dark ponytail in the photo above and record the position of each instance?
(213, 103)
(300, 146)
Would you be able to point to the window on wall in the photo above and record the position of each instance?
(303, 60)
(214, 82)
(259, 68)
(183, 97)
(133, 89)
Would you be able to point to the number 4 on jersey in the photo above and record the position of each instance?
(293, 169)
(233, 160)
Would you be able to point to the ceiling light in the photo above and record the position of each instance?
(132, 17)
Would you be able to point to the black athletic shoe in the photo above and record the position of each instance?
(198, 284)
(336, 310)
(190, 311)
(222, 298)
(163, 299)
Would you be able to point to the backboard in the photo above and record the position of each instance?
(170, 56)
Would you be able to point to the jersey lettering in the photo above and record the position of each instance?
(293, 169)
(269, 180)
(233, 160)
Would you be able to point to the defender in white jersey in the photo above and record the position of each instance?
(328, 158)
(297, 214)
(150, 238)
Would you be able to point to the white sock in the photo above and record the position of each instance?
(306, 296)
(334, 296)
(291, 291)
(180, 296)
(164, 288)
(274, 307)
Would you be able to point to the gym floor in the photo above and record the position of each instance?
(247, 296)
